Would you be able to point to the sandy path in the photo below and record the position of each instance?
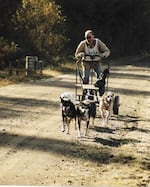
(33, 151)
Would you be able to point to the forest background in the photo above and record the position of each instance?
(52, 29)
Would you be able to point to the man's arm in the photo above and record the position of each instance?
(80, 50)
(103, 49)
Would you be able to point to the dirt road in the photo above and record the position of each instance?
(34, 151)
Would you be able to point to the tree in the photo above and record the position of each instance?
(40, 24)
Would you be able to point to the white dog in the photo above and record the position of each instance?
(105, 106)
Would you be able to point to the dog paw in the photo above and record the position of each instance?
(79, 136)
(104, 123)
(91, 126)
(62, 130)
(85, 134)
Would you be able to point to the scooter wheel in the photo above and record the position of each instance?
(116, 105)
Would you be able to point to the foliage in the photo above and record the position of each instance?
(8, 52)
(42, 24)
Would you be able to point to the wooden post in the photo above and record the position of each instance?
(31, 62)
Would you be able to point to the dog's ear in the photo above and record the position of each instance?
(113, 94)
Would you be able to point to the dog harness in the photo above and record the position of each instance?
(92, 54)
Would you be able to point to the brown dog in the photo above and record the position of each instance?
(105, 106)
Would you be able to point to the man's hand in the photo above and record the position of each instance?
(103, 55)
(80, 55)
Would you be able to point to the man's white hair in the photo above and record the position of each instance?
(87, 32)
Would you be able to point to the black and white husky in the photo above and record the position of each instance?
(86, 111)
(68, 110)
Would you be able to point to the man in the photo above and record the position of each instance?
(91, 51)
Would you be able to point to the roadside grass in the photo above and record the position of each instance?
(60, 69)
(69, 67)
(47, 72)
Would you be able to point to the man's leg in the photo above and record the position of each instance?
(86, 73)
(97, 68)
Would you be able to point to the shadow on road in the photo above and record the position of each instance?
(67, 148)
(24, 105)
(115, 142)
